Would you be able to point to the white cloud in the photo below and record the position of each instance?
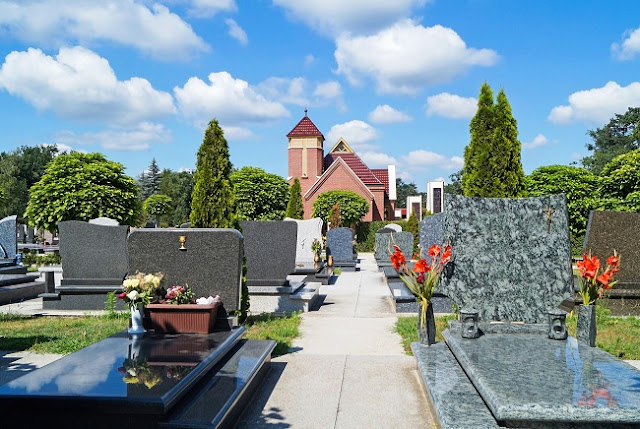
(451, 106)
(329, 90)
(406, 57)
(377, 159)
(539, 140)
(52, 23)
(597, 105)
(138, 137)
(78, 84)
(419, 159)
(286, 90)
(237, 32)
(237, 133)
(331, 17)
(309, 59)
(385, 114)
(232, 101)
(209, 8)
(629, 48)
(356, 133)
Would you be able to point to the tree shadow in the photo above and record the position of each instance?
(255, 415)
(18, 344)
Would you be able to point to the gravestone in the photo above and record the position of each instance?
(511, 257)
(620, 231)
(8, 237)
(308, 231)
(385, 243)
(394, 226)
(106, 221)
(22, 233)
(31, 235)
(340, 246)
(385, 230)
(210, 262)
(270, 248)
(431, 232)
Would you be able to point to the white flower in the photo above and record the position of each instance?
(133, 295)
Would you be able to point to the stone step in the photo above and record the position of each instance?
(13, 279)
(221, 397)
(21, 291)
(13, 269)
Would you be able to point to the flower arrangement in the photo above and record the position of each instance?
(424, 277)
(593, 284)
(179, 295)
(316, 246)
(140, 288)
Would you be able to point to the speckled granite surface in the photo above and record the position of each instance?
(510, 260)
(385, 242)
(431, 230)
(530, 378)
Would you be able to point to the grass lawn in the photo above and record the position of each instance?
(64, 335)
(619, 336)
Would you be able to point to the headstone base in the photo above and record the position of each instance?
(267, 299)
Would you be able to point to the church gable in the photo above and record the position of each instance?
(341, 147)
(339, 176)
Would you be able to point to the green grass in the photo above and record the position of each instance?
(407, 328)
(57, 334)
(283, 330)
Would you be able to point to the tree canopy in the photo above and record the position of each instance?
(157, 205)
(352, 206)
(476, 153)
(620, 183)
(295, 208)
(404, 190)
(212, 203)
(259, 195)
(79, 186)
(178, 186)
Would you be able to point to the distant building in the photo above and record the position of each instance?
(435, 196)
(341, 169)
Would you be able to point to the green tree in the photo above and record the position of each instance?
(295, 208)
(404, 190)
(259, 195)
(19, 170)
(476, 154)
(179, 187)
(620, 183)
(79, 186)
(581, 188)
(149, 181)
(157, 205)
(455, 187)
(620, 135)
(352, 206)
(413, 226)
(212, 203)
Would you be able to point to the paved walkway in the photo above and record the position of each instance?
(348, 369)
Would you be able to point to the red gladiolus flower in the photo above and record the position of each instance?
(420, 279)
(397, 259)
(613, 260)
(589, 266)
(434, 251)
(604, 279)
(421, 267)
(396, 248)
(446, 256)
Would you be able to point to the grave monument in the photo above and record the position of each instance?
(340, 248)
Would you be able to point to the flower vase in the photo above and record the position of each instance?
(586, 329)
(137, 312)
(426, 330)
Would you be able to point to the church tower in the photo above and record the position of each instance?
(306, 153)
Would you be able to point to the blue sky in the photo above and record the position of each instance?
(397, 79)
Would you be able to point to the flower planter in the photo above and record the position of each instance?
(183, 318)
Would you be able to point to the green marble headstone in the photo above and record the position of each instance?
(511, 257)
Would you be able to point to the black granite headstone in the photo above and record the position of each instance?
(340, 244)
(511, 257)
(8, 237)
(210, 262)
(270, 248)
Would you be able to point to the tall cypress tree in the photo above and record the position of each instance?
(295, 209)
(212, 203)
(477, 152)
(506, 166)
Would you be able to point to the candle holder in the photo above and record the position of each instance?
(557, 325)
(469, 319)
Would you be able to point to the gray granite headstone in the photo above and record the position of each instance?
(340, 244)
(107, 221)
(185, 225)
(8, 237)
(210, 265)
(431, 232)
(31, 235)
(620, 231)
(22, 233)
(270, 248)
(511, 259)
(394, 226)
(385, 242)
(90, 251)
(308, 230)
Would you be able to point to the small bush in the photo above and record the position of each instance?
(39, 260)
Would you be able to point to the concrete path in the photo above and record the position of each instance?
(348, 369)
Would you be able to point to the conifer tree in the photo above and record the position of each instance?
(212, 203)
(476, 153)
(506, 167)
(295, 209)
(153, 178)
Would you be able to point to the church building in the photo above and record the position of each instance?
(340, 169)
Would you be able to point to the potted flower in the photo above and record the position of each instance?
(316, 248)
(592, 286)
(422, 281)
(138, 291)
(179, 313)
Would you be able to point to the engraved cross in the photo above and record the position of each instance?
(548, 212)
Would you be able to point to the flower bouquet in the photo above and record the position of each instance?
(179, 313)
(138, 291)
(593, 284)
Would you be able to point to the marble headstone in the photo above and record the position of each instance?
(93, 252)
(511, 257)
(210, 265)
(394, 226)
(431, 232)
(107, 221)
(385, 242)
(270, 248)
(340, 244)
(308, 230)
(8, 237)
(608, 231)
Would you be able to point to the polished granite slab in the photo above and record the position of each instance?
(529, 380)
(142, 375)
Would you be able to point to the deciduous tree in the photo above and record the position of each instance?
(259, 195)
(352, 206)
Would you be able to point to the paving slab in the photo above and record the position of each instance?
(17, 364)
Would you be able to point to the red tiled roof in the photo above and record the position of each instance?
(355, 163)
(382, 174)
(305, 128)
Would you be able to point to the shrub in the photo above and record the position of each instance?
(366, 233)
